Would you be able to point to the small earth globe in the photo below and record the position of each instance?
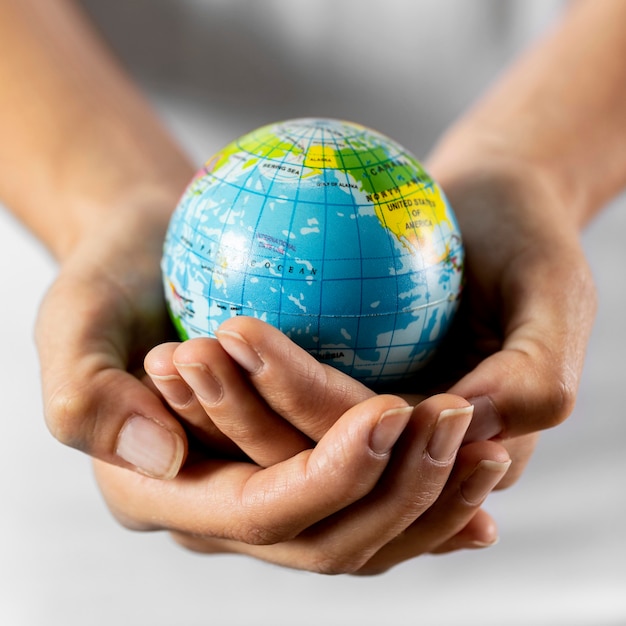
(329, 231)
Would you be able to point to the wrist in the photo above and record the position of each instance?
(104, 174)
(143, 209)
(128, 231)
(489, 159)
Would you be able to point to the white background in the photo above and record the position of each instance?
(560, 561)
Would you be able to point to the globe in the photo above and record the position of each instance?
(327, 230)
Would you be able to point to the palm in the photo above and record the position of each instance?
(100, 317)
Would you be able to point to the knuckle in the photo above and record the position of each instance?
(554, 379)
(258, 534)
(559, 399)
(65, 414)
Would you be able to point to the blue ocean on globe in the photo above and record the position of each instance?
(329, 231)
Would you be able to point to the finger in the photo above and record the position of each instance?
(478, 469)
(454, 522)
(243, 502)
(227, 399)
(520, 450)
(159, 366)
(293, 383)
(412, 483)
(531, 383)
(480, 532)
(90, 401)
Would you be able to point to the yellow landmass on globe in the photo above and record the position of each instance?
(413, 217)
(320, 157)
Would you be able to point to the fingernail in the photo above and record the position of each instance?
(152, 449)
(487, 422)
(482, 544)
(174, 390)
(449, 431)
(388, 429)
(240, 350)
(202, 380)
(479, 484)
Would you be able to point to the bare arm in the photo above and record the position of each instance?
(560, 110)
(79, 141)
(88, 167)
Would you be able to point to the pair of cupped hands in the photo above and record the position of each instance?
(246, 444)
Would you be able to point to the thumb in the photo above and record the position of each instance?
(532, 382)
(91, 402)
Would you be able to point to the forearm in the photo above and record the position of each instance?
(79, 141)
(560, 111)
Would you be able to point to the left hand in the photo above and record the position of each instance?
(345, 505)
(284, 404)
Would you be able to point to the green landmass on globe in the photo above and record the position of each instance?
(328, 230)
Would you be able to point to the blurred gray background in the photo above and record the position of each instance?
(216, 69)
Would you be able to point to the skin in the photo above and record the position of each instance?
(90, 170)
(337, 507)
